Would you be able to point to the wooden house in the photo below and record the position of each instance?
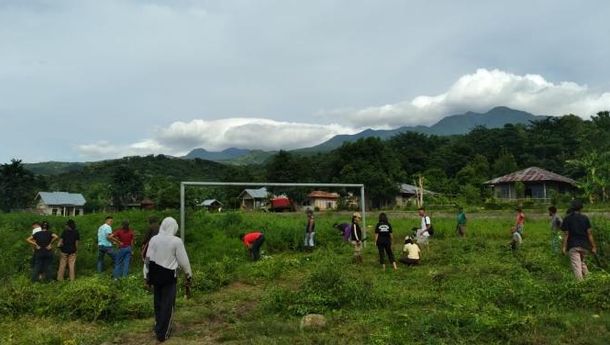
(537, 182)
(60, 203)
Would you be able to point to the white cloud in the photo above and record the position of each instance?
(215, 135)
(481, 91)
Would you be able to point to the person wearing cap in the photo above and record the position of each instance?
(165, 254)
(356, 236)
(253, 241)
(578, 240)
(125, 237)
(410, 252)
(310, 230)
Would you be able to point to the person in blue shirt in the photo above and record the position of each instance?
(104, 243)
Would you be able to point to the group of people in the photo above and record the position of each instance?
(42, 240)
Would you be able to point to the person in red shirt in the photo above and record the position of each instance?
(253, 241)
(125, 237)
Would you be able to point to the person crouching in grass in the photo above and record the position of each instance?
(253, 242)
(410, 253)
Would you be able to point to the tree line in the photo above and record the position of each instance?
(453, 165)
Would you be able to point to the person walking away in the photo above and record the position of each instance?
(165, 254)
(344, 229)
(104, 244)
(411, 253)
(383, 239)
(310, 230)
(68, 246)
(461, 222)
(43, 243)
(555, 229)
(356, 237)
(125, 237)
(253, 242)
(578, 240)
(425, 229)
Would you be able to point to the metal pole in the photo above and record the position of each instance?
(182, 211)
(363, 207)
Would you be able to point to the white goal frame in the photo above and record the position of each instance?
(184, 184)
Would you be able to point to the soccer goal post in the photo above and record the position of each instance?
(185, 184)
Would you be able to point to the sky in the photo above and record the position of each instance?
(85, 80)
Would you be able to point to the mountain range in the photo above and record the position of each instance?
(450, 125)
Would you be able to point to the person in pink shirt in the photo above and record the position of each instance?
(253, 241)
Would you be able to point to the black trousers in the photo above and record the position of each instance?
(164, 300)
(42, 264)
(256, 247)
(385, 246)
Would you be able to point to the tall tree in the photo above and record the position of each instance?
(17, 186)
(127, 187)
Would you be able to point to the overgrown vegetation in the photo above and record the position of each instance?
(472, 290)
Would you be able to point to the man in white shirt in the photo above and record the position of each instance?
(423, 233)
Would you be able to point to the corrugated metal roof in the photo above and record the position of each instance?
(209, 202)
(323, 195)
(62, 198)
(531, 174)
(411, 189)
(260, 193)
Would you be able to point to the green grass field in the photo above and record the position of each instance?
(466, 291)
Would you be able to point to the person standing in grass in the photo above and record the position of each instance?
(411, 253)
(165, 253)
(425, 230)
(253, 242)
(310, 230)
(43, 244)
(578, 240)
(104, 244)
(383, 239)
(35, 228)
(517, 229)
(68, 246)
(461, 222)
(125, 237)
(356, 237)
(555, 229)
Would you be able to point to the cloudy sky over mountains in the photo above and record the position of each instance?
(86, 80)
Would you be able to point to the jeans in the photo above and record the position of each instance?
(102, 251)
(309, 239)
(121, 265)
(256, 247)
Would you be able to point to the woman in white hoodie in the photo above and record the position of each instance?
(165, 253)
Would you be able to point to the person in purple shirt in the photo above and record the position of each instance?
(344, 230)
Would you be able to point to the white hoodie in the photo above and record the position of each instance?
(167, 250)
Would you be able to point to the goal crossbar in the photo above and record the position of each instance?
(184, 184)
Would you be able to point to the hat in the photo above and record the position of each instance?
(356, 215)
(407, 238)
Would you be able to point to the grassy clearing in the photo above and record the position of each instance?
(472, 290)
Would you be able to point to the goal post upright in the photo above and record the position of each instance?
(184, 184)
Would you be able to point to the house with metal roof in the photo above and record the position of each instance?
(321, 200)
(407, 193)
(60, 203)
(538, 184)
(253, 199)
(211, 205)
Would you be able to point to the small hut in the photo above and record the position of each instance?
(537, 182)
(253, 199)
(322, 200)
(211, 205)
(60, 203)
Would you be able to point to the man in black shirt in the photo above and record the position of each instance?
(578, 240)
(42, 241)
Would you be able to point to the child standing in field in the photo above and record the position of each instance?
(517, 230)
(383, 239)
(555, 229)
(410, 253)
(461, 222)
(356, 237)
(310, 230)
